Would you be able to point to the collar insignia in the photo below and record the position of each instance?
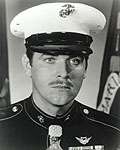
(41, 119)
(83, 140)
(67, 10)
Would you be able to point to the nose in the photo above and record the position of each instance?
(62, 70)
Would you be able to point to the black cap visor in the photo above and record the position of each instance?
(62, 49)
(62, 43)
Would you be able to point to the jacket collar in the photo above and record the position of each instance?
(43, 119)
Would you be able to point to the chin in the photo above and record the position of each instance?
(60, 100)
(60, 104)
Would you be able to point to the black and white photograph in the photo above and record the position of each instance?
(60, 75)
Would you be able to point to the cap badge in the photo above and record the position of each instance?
(66, 10)
(83, 140)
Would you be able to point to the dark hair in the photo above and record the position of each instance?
(30, 54)
(86, 60)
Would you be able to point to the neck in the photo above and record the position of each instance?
(49, 108)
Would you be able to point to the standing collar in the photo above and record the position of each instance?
(43, 119)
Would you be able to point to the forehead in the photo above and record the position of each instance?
(56, 54)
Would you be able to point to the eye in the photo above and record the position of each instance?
(75, 61)
(50, 60)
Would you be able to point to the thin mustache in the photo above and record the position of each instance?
(59, 82)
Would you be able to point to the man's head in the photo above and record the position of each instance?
(57, 38)
(56, 78)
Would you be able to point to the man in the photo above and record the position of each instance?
(57, 39)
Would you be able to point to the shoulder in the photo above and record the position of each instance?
(12, 110)
(99, 117)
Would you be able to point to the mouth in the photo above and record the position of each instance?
(61, 86)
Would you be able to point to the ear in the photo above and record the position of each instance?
(84, 75)
(26, 65)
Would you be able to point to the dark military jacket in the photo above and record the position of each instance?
(23, 126)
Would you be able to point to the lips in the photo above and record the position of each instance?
(61, 86)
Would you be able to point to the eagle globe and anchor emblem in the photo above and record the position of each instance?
(67, 10)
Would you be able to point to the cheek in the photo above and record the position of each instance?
(77, 77)
(77, 73)
(41, 75)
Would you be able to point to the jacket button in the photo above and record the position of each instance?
(86, 111)
(15, 109)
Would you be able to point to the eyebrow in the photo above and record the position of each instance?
(48, 55)
(69, 56)
(58, 54)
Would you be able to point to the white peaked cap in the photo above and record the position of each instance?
(58, 17)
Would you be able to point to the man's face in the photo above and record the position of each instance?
(57, 79)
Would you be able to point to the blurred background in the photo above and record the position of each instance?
(91, 93)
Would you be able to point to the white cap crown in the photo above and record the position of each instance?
(58, 17)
